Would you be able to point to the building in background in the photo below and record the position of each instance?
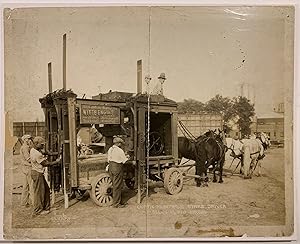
(272, 124)
(273, 127)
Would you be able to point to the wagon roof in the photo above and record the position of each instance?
(58, 94)
(116, 96)
(112, 96)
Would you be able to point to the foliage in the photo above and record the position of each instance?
(244, 111)
(190, 106)
(238, 109)
(222, 105)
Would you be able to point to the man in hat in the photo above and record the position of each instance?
(116, 159)
(41, 191)
(26, 197)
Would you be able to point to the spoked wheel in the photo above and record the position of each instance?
(156, 144)
(173, 181)
(102, 189)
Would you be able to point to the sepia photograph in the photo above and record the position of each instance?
(144, 122)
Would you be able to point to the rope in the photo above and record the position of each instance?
(184, 131)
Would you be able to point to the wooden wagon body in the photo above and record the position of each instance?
(114, 113)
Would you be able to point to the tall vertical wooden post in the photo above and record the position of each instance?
(139, 77)
(64, 61)
(174, 122)
(63, 132)
(66, 151)
(50, 77)
(72, 141)
(50, 147)
(141, 153)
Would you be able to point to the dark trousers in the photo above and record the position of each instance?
(116, 174)
(41, 192)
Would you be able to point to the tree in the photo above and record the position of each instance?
(238, 110)
(222, 105)
(190, 106)
(244, 111)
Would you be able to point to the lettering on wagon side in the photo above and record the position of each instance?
(98, 114)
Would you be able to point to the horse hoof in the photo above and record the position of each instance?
(214, 181)
(247, 177)
(198, 184)
(221, 181)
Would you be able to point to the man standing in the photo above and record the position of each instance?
(116, 159)
(41, 191)
(26, 198)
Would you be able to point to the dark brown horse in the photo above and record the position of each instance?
(216, 153)
(188, 148)
(206, 150)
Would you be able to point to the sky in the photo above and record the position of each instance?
(203, 51)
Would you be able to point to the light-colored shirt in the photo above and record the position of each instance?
(116, 155)
(25, 154)
(36, 159)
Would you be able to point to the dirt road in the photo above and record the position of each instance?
(217, 210)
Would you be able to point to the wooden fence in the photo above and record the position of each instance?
(30, 128)
(197, 124)
(26, 128)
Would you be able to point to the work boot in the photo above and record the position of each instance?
(44, 212)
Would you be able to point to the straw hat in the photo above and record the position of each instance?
(118, 140)
(162, 76)
(26, 137)
(39, 140)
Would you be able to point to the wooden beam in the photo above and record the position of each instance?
(50, 77)
(64, 61)
(174, 137)
(62, 150)
(139, 77)
(141, 153)
(72, 141)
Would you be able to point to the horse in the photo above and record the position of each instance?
(249, 151)
(265, 140)
(216, 156)
(189, 148)
(206, 150)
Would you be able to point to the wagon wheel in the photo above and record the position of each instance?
(130, 183)
(173, 181)
(155, 144)
(102, 189)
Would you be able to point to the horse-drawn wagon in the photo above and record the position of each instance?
(148, 124)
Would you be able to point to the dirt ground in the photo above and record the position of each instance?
(224, 208)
